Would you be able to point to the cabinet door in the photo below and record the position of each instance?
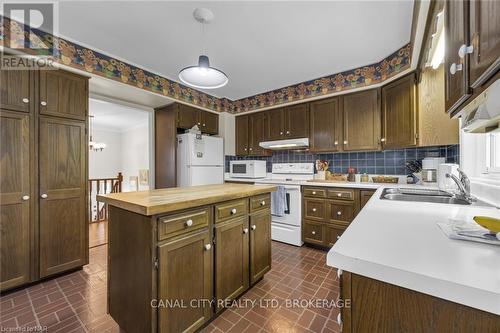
(326, 125)
(456, 79)
(15, 201)
(260, 245)
(361, 121)
(185, 275)
(297, 121)
(209, 122)
(231, 258)
(15, 90)
(63, 94)
(399, 113)
(275, 124)
(187, 117)
(63, 209)
(256, 124)
(241, 135)
(485, 38)
(332, 234)
(365, 195)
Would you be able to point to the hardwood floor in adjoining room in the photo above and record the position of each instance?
(76, 302)
(98, 233)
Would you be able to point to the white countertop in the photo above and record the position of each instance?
(399, 243)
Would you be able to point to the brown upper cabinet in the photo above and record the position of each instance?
(241, 135)
(472, 50)
(362, 120)
(15, 90)
(484, 28)
(188, 116)
(399, 113)
(63, 94)
(287, 123)
(326, 125)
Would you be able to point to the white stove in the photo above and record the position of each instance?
(287, 228)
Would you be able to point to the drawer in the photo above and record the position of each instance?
(314, 192)
(341, 212)
(314, 233)
(314, 209)
(332, 234)
(341, 194)
(178, 224)
(260, 202)
(230, 209)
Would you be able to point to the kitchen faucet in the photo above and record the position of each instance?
(463, 184)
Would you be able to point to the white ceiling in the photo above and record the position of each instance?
(260, 45)
(115, 117)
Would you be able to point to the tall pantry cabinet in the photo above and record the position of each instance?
(43, 174)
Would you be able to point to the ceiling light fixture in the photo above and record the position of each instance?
(202, 75)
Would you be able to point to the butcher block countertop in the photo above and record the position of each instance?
(161, 201)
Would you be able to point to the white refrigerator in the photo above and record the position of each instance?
(200, 160)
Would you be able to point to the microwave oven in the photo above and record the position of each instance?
(247, 169)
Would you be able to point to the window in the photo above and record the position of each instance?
(493, 152)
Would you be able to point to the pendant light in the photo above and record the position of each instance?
(202, 75)
(95, 146)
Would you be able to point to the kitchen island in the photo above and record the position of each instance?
(402, 274)
(174, 255)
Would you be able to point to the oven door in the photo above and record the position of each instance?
(293, 214)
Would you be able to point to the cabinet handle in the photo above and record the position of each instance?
(199, 124)
(26, 197)
(26, 100)
(382, 140)
(314, 192)
(245, 230)
(339, 273)
(44, 196)
(339, 319)
(345, 142)
(250, 149)
(43, 103)
(233, 211)
(245, 149)
(287, 132)
(281, 133)
(189, 223)
(464, 49)
(203, 125)
(313, 232)
(339, 194)
(455, 68)
(208, 247)
(338, 237)
(262, 203)
(314, 209)
(254, 227)
(336, 143)
(339, 213)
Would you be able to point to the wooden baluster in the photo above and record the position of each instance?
(120, 180)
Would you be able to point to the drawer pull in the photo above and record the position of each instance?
(245, 230)
(233, 211)
(314, 209)
(254, 227)
(189, 223)
(336, 143)
(339, 213)
(339, 194)
(43, 103)
(314, 192)
(339, 273)
(26, 100)
(263, 203)
(338, 237)
(26, 197)
(44, 196)
(313, 232)
(208, 247)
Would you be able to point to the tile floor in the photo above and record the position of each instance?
(77, 302)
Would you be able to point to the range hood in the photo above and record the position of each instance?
(286, 144)
(483, 113)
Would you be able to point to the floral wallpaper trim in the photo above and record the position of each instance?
(76, 56)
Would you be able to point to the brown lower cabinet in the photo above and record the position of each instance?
(43, 175)
(377, 306)
(172, 272)
(328, 211)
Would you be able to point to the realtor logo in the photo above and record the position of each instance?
(23, 27)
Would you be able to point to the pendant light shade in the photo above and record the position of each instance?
(203, 76)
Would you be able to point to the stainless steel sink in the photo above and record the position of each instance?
(423, 195)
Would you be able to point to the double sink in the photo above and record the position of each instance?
(427, 195)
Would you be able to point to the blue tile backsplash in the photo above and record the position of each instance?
(388, 162)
